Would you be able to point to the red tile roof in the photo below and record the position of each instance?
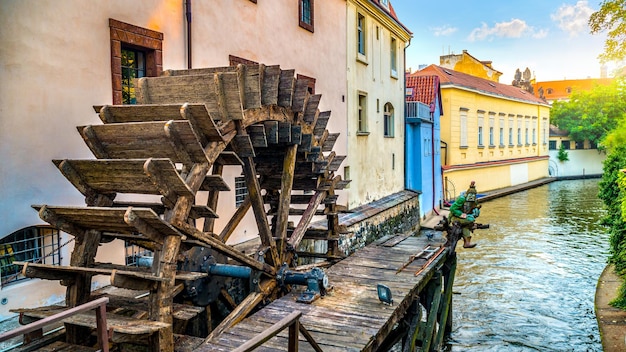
(453, 78)
(392, 13)
(425, 88)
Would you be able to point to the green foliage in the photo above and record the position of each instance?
(591, 114)
(613, 194)
(562, 156)
(611, 17)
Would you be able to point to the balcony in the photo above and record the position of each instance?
(416, 112)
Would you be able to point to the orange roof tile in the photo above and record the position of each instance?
(392, 13)
(450, 77)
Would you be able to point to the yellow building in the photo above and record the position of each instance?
(375, 100)
(491, 133)
(466, 63)
(562, 89)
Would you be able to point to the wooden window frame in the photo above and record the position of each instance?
(308, 26)
(146, 40)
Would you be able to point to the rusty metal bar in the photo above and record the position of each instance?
(98, 304)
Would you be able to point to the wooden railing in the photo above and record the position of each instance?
(293, 323)
(37, 326)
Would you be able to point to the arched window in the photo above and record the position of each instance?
(34, 244)
(388, 120)
(549, 91)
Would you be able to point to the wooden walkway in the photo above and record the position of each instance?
(350, 317)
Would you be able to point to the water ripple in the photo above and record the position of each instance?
(530, 284)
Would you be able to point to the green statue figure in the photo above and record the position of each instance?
(465, 210)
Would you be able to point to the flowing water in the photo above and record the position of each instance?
(530, 283)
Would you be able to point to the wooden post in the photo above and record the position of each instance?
(289, 165)
(434, 291)
(212, 200)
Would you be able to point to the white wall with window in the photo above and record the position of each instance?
(388, 120)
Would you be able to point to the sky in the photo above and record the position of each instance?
(550, 37)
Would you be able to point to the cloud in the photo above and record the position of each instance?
(573, 19)
(443, 31)
(515, 28)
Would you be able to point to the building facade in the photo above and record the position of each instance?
(491, 133)
(67, 56)
(375, 100)
(423, 132)
(466, 63)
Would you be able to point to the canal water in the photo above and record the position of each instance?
(530, 283)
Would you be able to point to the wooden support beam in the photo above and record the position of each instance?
(221, 247)
(92, 141)
(131, 218)
(434, 291)
(177, 145)
(209, 223)
(289, 165)
(234, 221)
(445, 311)
(242, 310)
(305, 220)
(92, 197)
(49, 216)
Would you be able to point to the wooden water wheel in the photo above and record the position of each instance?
(189, 126)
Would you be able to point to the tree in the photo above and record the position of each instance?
(611, 17)
(591, 114)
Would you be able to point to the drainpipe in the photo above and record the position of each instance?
(188, 16)
(404, 103)
(432, 151)
(445, 162)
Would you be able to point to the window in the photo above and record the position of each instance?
(241, 190)
(463, 128)
(552, 145)
(510, 135)
(306, 14)
(580, 145)
(565, 144)
(534, 136)
(544, 134)
(393, 58)
(34, 244)
(491, 129)
(385, 3)
(549, 91)
(593, 145)
(346, 175)
(139, 51)
(362, 114)
(481, 121)
(137, 255)
(361, 35)
(501, 132)
(133, 67)
(526, 135)
(519, 136)
(388, 120)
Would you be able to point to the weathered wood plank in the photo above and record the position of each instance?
(269, 91)
(311, 111)
(285, 87)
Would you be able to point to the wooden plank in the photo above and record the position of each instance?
(311, 111)
(214, 183)
(103, 219)
(229, 158)
(329, 142)
(228, 95)
(284, 132)
(285, 87)
(257, 135)
(176, 89)
(271, 131)
(296, 134)
(197, 71)
(285, 196)
(300, 95)
(271, 79)
(117, 323)
(321, 123)
(251, 81)
(107, 176)
(139, 113)
(243, 146)
(306, 218)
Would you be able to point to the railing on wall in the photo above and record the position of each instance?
(414, 110)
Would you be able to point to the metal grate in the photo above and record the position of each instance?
(241, 190)
(35, 244)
